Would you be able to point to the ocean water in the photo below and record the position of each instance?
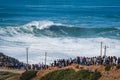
(62, 28)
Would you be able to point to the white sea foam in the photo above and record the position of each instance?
(41, 24)
(58, 47)
(28, 27)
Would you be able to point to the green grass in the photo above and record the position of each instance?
(28, 75)
(95, 75)
(70, 74)
(108, 67)
(118, 66)
(5, 75)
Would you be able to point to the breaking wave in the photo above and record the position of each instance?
(51, 29)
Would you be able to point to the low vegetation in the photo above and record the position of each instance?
(6, 75)
(70, 74)
(95, 75)
(118, 66)
(28, 75)
(108, 67)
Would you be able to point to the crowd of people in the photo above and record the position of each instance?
(37, 66)
(12, 63)
(112, 60)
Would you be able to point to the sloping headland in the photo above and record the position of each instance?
(71, 72)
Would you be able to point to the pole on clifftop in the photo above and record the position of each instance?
(45, 58)
(27, 58)
(101, 49)
(105, 50)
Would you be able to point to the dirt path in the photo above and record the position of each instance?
(12, 70)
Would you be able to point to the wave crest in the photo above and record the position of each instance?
(41, 24)
(51, 29)
(27, 28)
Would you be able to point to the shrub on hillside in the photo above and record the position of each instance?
(82, 75)
(70, 74)
(65, 74)
(28, 75)
(95, 75)
(107, 67)
(118, 66)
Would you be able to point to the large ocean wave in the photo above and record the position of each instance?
(51, 29)
(59, 40)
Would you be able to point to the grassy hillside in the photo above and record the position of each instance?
(70, 74)
(28, 75)
(6, 75)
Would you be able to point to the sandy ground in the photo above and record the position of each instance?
(12, 70)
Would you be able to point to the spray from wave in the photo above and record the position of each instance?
(51, 29)
(60, 41)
